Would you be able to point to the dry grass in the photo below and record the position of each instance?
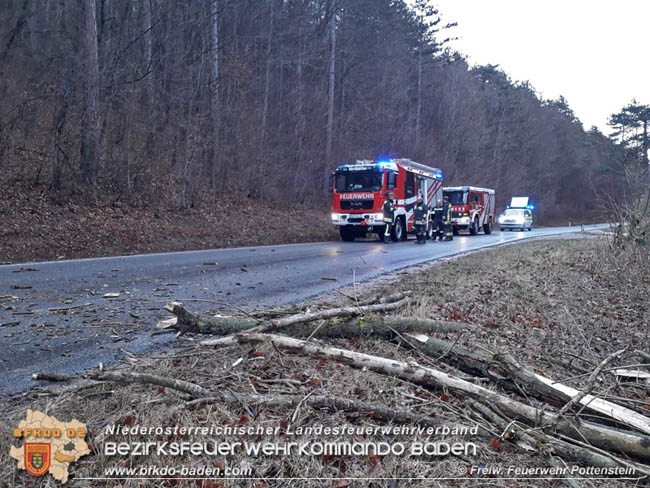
(546, 302)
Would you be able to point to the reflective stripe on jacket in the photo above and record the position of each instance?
(420, 213)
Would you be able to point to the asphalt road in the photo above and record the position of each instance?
(40, 331)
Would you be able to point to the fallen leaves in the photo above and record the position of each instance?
(495, 445)
(68, 229)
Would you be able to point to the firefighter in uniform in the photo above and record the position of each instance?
(420, 211)
(446, 219)
(389, 215)
(436, 217)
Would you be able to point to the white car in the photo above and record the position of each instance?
(516, 218)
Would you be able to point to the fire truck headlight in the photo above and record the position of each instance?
(335, 217)
(379, 217)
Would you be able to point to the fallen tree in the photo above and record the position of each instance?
(548, 433)
(387, 327)
(504, 366)
(625, 442)
(186, 321)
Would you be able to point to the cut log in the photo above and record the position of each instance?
(616, 412)
(532, 383)
(591, 381)
(501, 368)
(200, 323)
(379, 326)
(630, 443)
(383, 327)
(224, 325)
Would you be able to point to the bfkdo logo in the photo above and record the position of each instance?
(37, 457)
(50, 445)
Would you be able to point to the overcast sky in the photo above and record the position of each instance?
(594, 53)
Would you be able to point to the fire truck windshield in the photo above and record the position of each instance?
(352, 181)
(456, 197)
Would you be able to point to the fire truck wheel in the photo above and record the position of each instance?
(397, 232)
(347, 233)
(487, 228)
(473, 229)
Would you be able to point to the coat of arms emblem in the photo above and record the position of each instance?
(37, 457)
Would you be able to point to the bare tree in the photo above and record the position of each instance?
(90, 128)
(185, 100)
(215, 116)
(330, 91)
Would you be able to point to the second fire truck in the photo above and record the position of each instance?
(472, 208)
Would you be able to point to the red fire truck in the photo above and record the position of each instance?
(358, 195)
(471, 208)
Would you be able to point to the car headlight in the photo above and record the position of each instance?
(500, 219)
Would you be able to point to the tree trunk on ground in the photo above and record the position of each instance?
(504, 366)
(373, 326)
(382, 327)
(222, 325)
(209, 324)
(633, 444)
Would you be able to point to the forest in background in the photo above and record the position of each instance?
(181, 103)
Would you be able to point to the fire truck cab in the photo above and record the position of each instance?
(472, 208)
(358, 195)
